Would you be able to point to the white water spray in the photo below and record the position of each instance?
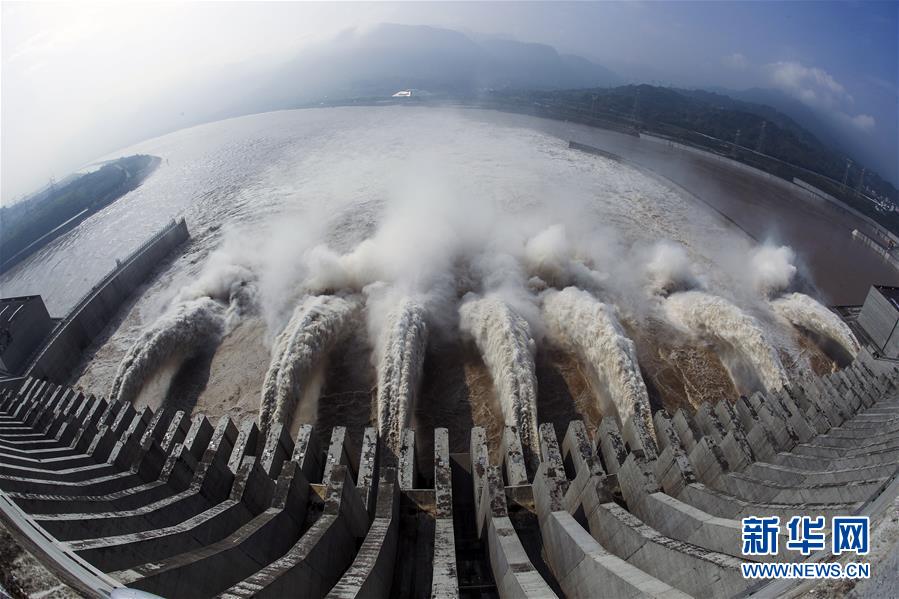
(556, 258)
(505, 342)
(803, 311)
(199, 316)
(708, 315)
(771, 268)
(402, 344)
(184, 330)
(317, 325)
(669, 270)
(587, 327)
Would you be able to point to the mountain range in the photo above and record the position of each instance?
(377, 61)
(380, 60)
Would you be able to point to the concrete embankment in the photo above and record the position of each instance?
(807, 190)
(875, 247)
(592, 150)
(62, 350)
(44, 240)
(107, 496)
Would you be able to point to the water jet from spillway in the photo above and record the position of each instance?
(314, 329)
(504, 340)
(580, 323)
(805, 312)
(186, 329)
(198, 317)
(709, 315)
(402, 343)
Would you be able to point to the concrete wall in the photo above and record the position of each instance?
(796, 185)
(62, 351)
(729, 161)
(148, 500)
(875, 247)
(878, 318)
(882, 232)
(592, 150)
(25, 330)
(44, 240)
(12, 383)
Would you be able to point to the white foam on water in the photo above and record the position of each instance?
(590, 329)
(707, 315)
(316, 326)
(403, 341)
(804, 311)
(187, 328)
(504, 339)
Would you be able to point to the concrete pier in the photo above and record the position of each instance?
(184, 507)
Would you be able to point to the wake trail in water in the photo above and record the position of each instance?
(710, 315)
(504, 340)
(589, 328)
(804, 311)
(403, 341)
(187, 328)
(317, 325)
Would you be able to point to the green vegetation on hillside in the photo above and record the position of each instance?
(25, 226)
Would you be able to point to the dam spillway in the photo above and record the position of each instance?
(319, 500)
(109, 496)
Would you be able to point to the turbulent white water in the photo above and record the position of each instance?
(803, 311)
(670, 269)
(402, 343)
(317, 325)
(505, 342)
(709, 315)
(190, 326)
(590, 329)
(429, 189)
(771, 268)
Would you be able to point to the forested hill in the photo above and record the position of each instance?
(696, 117)
(35, 221)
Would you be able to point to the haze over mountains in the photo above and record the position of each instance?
(387, 57)
(381, 59)
(823, 128)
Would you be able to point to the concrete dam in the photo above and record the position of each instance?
(107, 496)
(526, 431)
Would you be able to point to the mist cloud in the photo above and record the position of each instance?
(818, 89)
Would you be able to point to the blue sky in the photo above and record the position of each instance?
(115, 60)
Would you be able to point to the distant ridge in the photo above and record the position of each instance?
(713, 120)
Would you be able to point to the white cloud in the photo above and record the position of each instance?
(861, 122)
(812, 83)
(818, 89)
(736, 61)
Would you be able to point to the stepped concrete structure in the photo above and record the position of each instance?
(878, 318)
(24, 324)
(108, 497)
